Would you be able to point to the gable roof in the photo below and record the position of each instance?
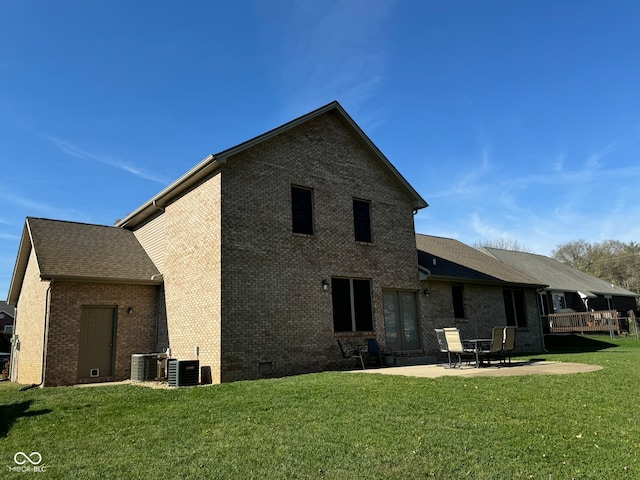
(82, 252)
(449, 259)
(558, 276)
(6, 308)
(212, 163)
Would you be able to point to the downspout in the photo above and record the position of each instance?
(155, 204)
(159, 303)
(44, 340)
(14, 344)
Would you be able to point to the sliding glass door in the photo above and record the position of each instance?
(401, 320)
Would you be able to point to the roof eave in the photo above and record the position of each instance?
(496, 282)
(206, 167)
(20, 268)
(89, 279)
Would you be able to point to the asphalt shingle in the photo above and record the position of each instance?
(85, 251)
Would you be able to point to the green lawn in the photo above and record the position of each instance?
(341, 426)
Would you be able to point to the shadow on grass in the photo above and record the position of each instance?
(575, 344)
(10, 413)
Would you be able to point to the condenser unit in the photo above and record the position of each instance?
(183, 373)
(143, 367)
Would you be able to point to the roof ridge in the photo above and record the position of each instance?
(74, 222)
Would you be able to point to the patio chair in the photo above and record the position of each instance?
(374, 351)
(349, 353)
(509, 343)
(455, 346)
(496, 346)
(442, 342)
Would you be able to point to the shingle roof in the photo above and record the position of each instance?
(449, 258)
(6, 308)
(80, 251)
(555, 274)
(67, 249)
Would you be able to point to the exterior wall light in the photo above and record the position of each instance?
(129, 310)
(325, 284)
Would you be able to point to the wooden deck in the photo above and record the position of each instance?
(602, 321)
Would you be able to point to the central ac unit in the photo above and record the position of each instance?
(143, 367)
(183, 373)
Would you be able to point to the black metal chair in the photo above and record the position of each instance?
(350, 353)
(374, 351)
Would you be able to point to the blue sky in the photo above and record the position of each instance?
(513, 119)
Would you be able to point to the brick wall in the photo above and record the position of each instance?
(192, 275)
(135, 332)
(245, 290)
(29, 326)
(484, 309)
(274, 309)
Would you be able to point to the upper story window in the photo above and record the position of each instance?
(302, 210)
(362, 220)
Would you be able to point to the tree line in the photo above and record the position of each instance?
(611, 260)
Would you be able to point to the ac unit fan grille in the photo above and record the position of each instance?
(183, 373)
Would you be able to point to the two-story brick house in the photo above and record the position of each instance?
(272, 249)
(262, 256)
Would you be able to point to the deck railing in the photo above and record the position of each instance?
(602, 321)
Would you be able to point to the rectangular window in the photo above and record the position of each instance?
(362, 220)
(302, 210)
(352, 310)
(543, 305)
(514, 308)
(457, 294)
(559, 302)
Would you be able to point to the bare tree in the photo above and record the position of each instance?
(611, 260)
(503, 243)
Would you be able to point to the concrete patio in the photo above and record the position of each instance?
(531, 367)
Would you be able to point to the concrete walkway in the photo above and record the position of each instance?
(541, 367)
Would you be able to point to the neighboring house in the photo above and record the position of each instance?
(6, 317)
(254, 262)
(568, 289)
(464, 288)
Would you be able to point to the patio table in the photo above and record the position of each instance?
(477, 342)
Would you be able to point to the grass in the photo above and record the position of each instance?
(341, 426)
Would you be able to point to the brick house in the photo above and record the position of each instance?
(465, 288)
(254, 262)
(6, 318)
